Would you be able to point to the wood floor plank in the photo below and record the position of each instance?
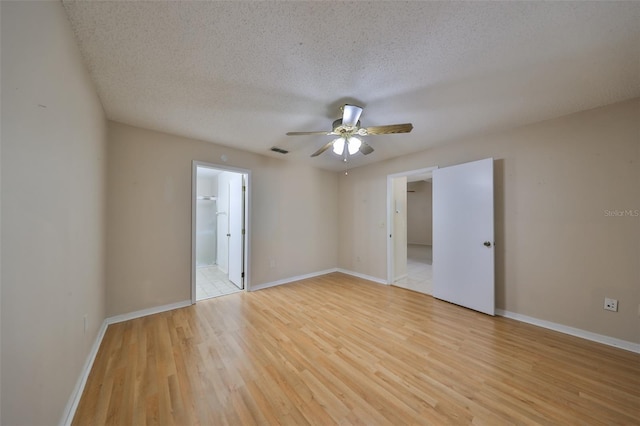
(341, 350)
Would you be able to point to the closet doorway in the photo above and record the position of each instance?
(219, 230)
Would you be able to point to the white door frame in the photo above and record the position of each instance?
(390, 210)
(247, 221)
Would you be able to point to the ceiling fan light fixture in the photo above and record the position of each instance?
(354, 145)
(338, 146)
(348, 132)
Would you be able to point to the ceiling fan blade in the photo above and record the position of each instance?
(350, 115)
(323, 149)
(391, 128)
(309, 133)
(365, 148)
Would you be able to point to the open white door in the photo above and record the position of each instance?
(463, 239)
(236, 237)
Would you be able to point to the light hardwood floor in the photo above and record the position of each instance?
(340, 350)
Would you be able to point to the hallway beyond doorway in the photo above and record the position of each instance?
(419, 269)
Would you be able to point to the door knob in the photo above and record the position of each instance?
(487, 243)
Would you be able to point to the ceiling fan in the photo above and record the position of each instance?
(349, 132)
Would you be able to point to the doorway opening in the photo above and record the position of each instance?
(463, 266)
(220, 232)
(410, 244)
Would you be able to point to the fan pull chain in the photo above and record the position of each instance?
(346, 167)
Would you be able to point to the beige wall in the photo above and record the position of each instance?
(293, 216)
(53, 225)
(557, 252)
(419, 213)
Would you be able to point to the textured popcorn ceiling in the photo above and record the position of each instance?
(242, 74)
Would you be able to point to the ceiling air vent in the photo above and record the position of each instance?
(279, 150)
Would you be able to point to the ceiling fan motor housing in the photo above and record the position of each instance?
(339, 129)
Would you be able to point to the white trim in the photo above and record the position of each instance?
(292, 279)
(390, 258)
(247, 220)
(74, 400)
(247, 226)
(594, 337)
(148, 311)
(363, 276)
(194, 197)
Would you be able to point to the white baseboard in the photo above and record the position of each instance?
(148, 311)
(401, 277)
(363, 276)
(291, 279)
(600, 338)
(74, 400)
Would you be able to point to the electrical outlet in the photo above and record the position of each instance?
(611, 304)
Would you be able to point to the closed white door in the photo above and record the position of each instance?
(463, 235)
(236, 226)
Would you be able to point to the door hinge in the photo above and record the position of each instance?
(244, 188)
(242, 275)
(243, 232)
